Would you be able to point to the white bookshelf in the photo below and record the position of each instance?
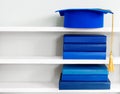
(45, 86)
(56, 29)
(52, 60)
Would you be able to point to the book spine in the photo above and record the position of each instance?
(85, 39)
(84, 47)
(69, 85)
(84, 72)
(94, 78)
(84, 55)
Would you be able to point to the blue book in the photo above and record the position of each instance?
(84, 69)
(84, 55)
(69, 85)
(84, 47)
(84, 78)
(72, 38)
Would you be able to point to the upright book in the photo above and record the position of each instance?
(96, 39)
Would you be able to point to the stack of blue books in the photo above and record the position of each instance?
(80, 77)
(84, 46)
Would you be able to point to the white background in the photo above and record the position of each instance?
(42, 12)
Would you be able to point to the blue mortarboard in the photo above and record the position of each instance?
(83, 18)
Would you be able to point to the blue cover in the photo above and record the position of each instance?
(69, 85)
(83, 18)
(84, 55)
(84, 69)
(84, 47)
(95, 39)
(85, 78)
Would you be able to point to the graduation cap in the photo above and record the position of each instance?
(88, 18)
(83, 18)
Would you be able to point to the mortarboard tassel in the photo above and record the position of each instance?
(111, 65)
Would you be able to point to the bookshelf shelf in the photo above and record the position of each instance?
(55, 29)
(45, 87)
(51, 60)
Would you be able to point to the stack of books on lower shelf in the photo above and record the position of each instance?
(84, 46)
(84, 77)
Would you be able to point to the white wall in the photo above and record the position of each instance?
(42, 12)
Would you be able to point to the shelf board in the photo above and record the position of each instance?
(44, 87)
(51, 60)
(55, 29)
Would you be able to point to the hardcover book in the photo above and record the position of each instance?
(69, 85)
(84, 69)
(85, 78)
(84, 55)
(72, 38)
(84, 48)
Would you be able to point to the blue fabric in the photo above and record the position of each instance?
(85, 39)
(84, 47)
(69, 85)
(84, 69)
(84, 55)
